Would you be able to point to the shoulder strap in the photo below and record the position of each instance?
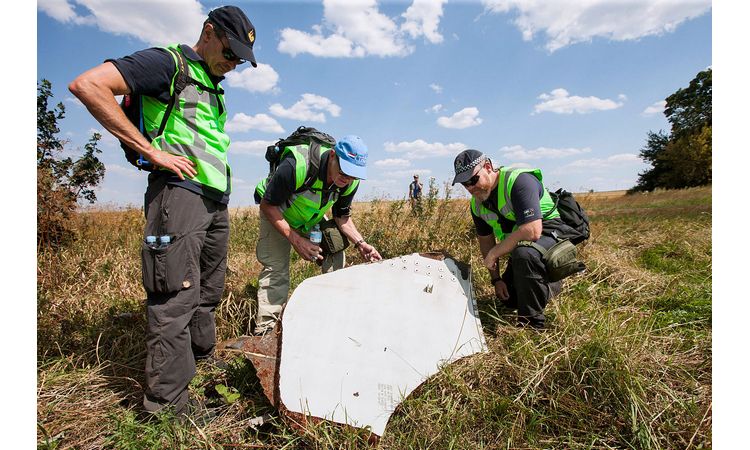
(182, 79)
(556, 196)
(313, 167)
(534, 245)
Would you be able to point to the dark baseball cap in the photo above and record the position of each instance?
(464, 164)
(239, 30)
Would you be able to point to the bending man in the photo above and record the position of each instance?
(290, 208)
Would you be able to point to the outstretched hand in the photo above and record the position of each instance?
(369, 253)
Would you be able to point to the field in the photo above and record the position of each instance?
(625, 363)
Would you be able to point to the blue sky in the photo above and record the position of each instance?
(570, 87)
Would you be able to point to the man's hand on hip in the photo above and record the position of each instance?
(178, 164)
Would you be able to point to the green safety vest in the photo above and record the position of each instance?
(507, 177)
(195, 128)
(305, 207)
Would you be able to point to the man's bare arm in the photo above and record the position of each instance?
(97, 88)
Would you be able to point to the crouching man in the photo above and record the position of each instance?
(509, 206)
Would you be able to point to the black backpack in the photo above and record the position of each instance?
(132, 106)
(302, 135)
(572, 214)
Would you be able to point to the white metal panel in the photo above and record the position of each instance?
(357, 341)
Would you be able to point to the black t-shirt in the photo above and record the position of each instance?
(149, 72)
(525, 195)
(280, 187)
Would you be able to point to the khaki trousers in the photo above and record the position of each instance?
(272, 252)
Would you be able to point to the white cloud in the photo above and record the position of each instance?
(355, 29)
(74, 101)
(423, 18)
(420, 149)
(656, 108)
(122, 171)
(434, 109)
(64, 12)
(519, 152)
(251, 148)
(255, 79)
(261, 122)
(359, 29)
(393, 162)
(407, 173)
(600, 163)
(152, 21)
(437, 88)
(310, 108)
(565, 23)
(294, 42)
(467, 117)
(561, 102)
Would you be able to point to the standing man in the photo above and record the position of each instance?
(289, 210)
(510, 206)
(415, 193)
(188, 189)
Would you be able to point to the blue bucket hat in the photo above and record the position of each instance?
(352, 153)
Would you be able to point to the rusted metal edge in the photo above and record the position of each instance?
(264, 352)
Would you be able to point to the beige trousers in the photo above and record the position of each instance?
(272, 252)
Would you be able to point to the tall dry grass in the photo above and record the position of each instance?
(626, 361)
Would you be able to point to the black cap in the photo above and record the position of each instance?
(464, 164)
(240, 31)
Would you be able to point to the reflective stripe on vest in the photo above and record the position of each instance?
(304, 209)
(506, 179)
(195, 128)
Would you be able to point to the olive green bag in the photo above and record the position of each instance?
(560, 259)
(333, 240)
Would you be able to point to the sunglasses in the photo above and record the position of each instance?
(471, 181)
(229, 55)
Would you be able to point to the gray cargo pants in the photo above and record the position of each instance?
(184, 283)
(526, 278)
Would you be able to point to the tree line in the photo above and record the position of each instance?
(681, 158)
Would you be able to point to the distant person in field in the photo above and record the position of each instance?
(415, 193)
(288, 212)
(188, 190)
(508, 206)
